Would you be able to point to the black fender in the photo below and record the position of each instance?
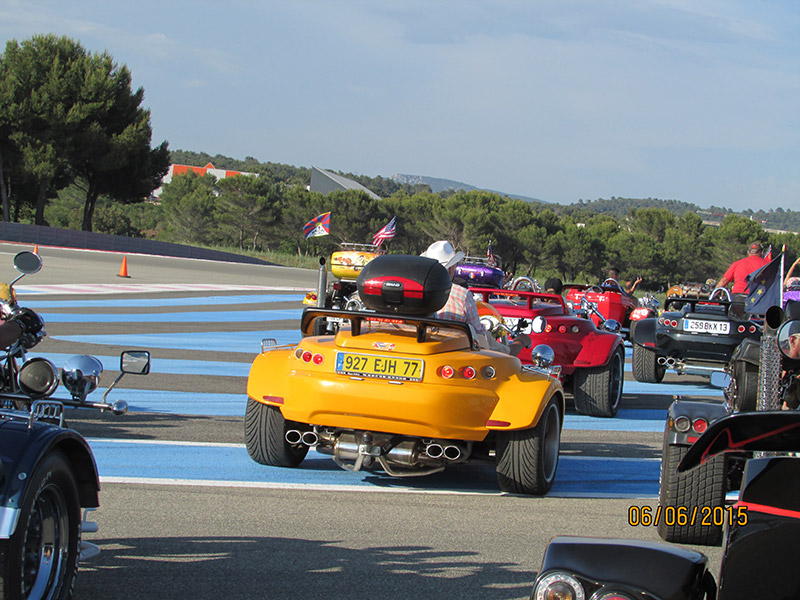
(21, 449)
(709, 411)
(748, 351)
(638, 568)
(644, 333)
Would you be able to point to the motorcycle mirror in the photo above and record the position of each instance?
(27, 262)
(612, 325)
(538, 324)
(789, 339)
(720, 379)
(136, 362)
(542, 356)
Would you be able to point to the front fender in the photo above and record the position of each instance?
(709, 411)
(21, 449)
(644, 333)
(647, 570)
(522, 399)
(267, 380)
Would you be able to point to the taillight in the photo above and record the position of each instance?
(562, 329)
(682, 424)
(741, 329)
(548, 328)
(307, 356)
(318, 358)
(299, 353)
(700, 425)
(575, 329)
(447, 372)
(752, 328)
(468, 373)
(488, 372)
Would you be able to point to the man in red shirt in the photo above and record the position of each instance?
(740, 269)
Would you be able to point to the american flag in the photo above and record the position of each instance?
(319, 225)
(386, 233)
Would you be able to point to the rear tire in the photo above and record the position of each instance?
(527, 459)
(680, 494)
(40, 560)
(746, 377)
(598, 391)
(265, 436)
(645, 365)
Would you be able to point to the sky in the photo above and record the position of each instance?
(559, 100)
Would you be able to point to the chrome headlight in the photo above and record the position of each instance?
(81, 374)
(542, 356)
(558, 586)
(38, 378)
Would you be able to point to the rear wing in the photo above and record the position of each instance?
(766, 431)
(358, 318)
(530, 297)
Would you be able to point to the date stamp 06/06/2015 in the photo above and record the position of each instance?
(703, 516)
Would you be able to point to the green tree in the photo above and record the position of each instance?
(189, 206)
(247, 207)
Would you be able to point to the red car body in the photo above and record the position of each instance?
(585, 353)
(611, 301)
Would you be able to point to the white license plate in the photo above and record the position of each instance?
(697, 326)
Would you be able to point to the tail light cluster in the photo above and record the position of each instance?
(640, 313)
(744, 328)
(668, 322)
(309, 357)
(684, 424)
(562, 329)
(468, 372)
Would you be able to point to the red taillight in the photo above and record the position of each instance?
(673, 323)
(548, 328)
(318, 358)
(468, 373)
(307, 356)
(447, 372)
(700, 425)
(741, 329)
(752, 328)
(562, 329)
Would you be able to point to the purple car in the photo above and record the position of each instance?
(479, 272)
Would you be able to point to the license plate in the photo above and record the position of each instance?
(697, 326)
(381, 367)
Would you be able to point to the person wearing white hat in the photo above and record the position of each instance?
(461, 305)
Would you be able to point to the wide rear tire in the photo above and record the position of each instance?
(527, 459)
(681, 494)
(265, 436)
(746, 377)
(598, 391)
(645, 365)
(40, 560)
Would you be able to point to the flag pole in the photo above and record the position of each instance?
(783, 257)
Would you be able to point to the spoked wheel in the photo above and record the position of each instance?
(598, 391)
(265, 436)
(40, 559)
(527, 459)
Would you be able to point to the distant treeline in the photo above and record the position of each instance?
(576, 243)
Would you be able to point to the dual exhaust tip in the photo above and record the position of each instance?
(433, 450)
(669, 361)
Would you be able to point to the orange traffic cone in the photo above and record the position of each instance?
(123, 271)
(36, 249)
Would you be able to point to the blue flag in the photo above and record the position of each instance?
(764, 287)
(319, 225)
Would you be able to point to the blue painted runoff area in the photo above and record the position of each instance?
(577, 475)
(220, 301)
(244, 316)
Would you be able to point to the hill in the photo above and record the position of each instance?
(438, 185)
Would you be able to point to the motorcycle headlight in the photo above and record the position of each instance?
(81, 374)
(558, 586)
(38, 378)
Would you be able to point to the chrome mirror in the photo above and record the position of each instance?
(136, 362)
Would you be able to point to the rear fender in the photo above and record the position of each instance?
(267, 380)
(707, 411)
(644, 333)
(748, 351)
(642, 569)
(597, 349)
(517, 406)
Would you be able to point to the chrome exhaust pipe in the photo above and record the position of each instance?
(434, 450)
(310, 438)
(662, 360)
(293, 437)
(452, 452)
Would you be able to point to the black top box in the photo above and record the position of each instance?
(404, 284)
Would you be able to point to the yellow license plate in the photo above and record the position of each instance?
(382, 367)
